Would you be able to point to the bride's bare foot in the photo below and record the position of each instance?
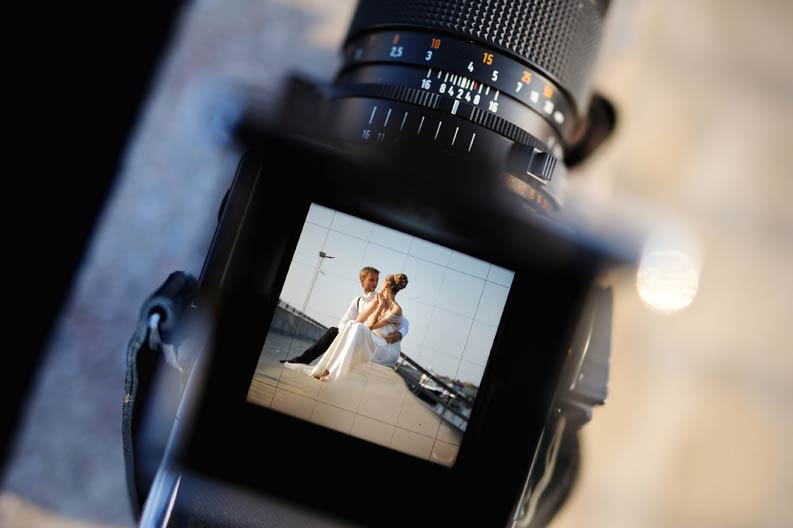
(325, 376)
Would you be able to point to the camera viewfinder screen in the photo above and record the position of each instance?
(380, 335)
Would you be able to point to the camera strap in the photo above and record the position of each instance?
(153, 348)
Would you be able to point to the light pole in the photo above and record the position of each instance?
(322, 255)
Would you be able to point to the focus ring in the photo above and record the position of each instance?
(559, 37)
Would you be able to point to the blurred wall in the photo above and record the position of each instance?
(697, 428)
(698, 423)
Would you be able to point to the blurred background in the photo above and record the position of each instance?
(698, 425)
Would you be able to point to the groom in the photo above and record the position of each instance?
(369, 277)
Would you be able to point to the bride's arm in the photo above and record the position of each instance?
(369, 310)
(377, 320)
(386, 320)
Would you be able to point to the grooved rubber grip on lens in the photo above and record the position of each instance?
(560, 37)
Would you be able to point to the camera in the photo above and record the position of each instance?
(423, 191)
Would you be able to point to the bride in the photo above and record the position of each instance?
(363, 339)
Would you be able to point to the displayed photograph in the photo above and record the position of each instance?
(381, 335)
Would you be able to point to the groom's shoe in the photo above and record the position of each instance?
(293, 360)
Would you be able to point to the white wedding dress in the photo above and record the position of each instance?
(356, 344)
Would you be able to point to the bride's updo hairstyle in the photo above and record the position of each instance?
(397, 282)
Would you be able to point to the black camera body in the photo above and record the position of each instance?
(405, 155)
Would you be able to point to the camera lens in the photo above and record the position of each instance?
(466, 73)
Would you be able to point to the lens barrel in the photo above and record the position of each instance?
(502, 82)
(559, 38)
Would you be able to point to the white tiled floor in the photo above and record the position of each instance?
(443, 452)
(332, 417)
(416, 417)
(412, 443)
(293, 404)
(383, 399)
(372, 402)
(344, 395)
(372, 430)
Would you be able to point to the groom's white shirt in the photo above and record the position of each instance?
(355, 306)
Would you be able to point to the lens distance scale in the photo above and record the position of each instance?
(469, 67)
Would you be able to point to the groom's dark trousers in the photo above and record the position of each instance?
(317, 349)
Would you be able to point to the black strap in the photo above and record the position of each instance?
(158, 328)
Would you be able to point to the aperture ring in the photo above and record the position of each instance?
(444, 104)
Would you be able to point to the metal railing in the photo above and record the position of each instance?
(291, 309)
(451, 405)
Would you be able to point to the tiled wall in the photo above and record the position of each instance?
(453, 301)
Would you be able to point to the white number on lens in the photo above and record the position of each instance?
(426, 83)
(471, 66)
(443, 88)
(519, 86)
(493, 106)
(494, 77)
(396, 51)
(476, 99)
(459, 93)
(429, 55)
